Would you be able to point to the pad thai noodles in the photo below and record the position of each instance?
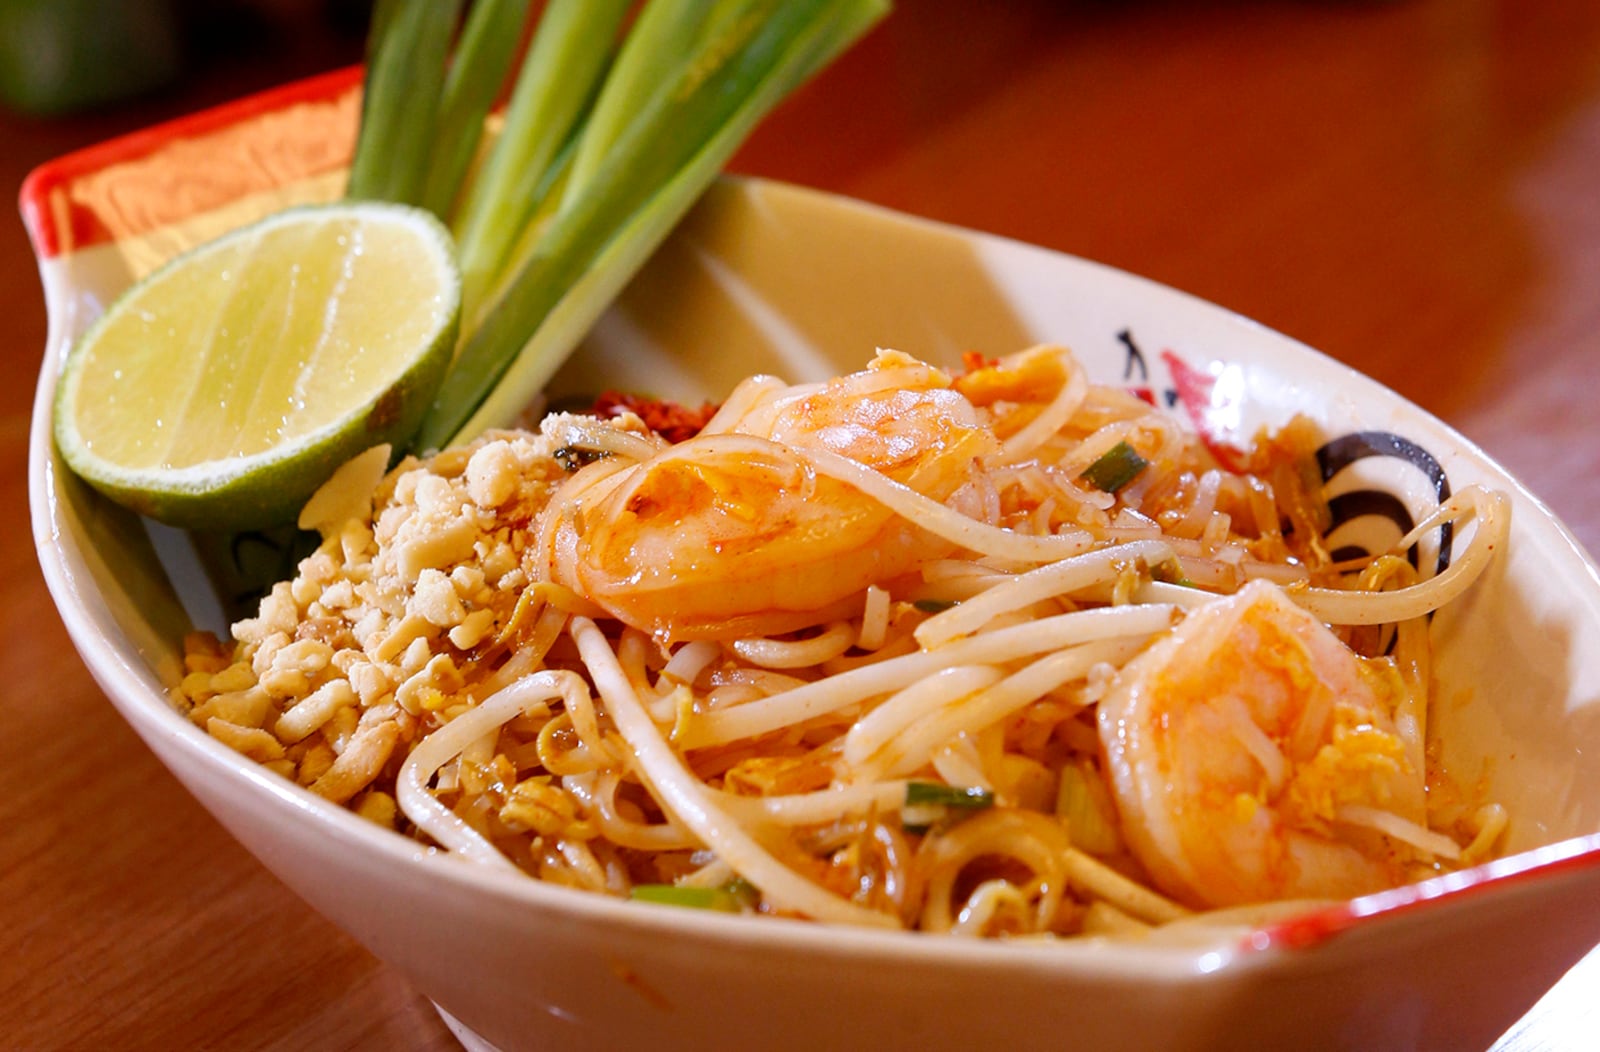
(997, 652)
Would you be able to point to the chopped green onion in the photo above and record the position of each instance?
(933, 606)
(1115, 468)
(1171, 572)
(720, 899)
(930, 803)
(968, 797)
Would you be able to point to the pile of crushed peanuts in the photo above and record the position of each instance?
(389, 628)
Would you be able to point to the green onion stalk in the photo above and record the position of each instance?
(484, 56)
(565, 63)
(614, 127)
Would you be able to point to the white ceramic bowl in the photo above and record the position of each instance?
(773, 278)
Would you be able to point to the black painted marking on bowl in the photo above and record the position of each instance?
(1341, 452)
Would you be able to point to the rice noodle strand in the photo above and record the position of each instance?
(684, 796)
(1490, 510)
(1068, 575)
(423, 808)
(1001, 645)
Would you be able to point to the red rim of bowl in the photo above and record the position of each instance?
(74, 226)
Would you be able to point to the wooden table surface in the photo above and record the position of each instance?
(1412, 187)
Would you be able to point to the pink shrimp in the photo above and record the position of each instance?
(735, 533)
(1254, 757)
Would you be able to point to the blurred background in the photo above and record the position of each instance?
(1409, 186)
(70, 56)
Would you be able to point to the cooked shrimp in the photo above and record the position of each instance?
(1254, 757)
(739, 532)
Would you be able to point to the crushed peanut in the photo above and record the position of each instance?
(375, 642)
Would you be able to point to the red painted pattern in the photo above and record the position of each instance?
(62, 218)
(1317, 926)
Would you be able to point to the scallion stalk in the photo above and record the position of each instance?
(593, 167)
(547, 194)
(654, 171)
(405, 73)
(570, 50)
(484, 56)
(661, 41)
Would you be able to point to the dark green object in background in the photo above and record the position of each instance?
(63, 55)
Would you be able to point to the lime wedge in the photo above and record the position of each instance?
(221, 390)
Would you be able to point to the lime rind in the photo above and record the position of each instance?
(239, 492)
